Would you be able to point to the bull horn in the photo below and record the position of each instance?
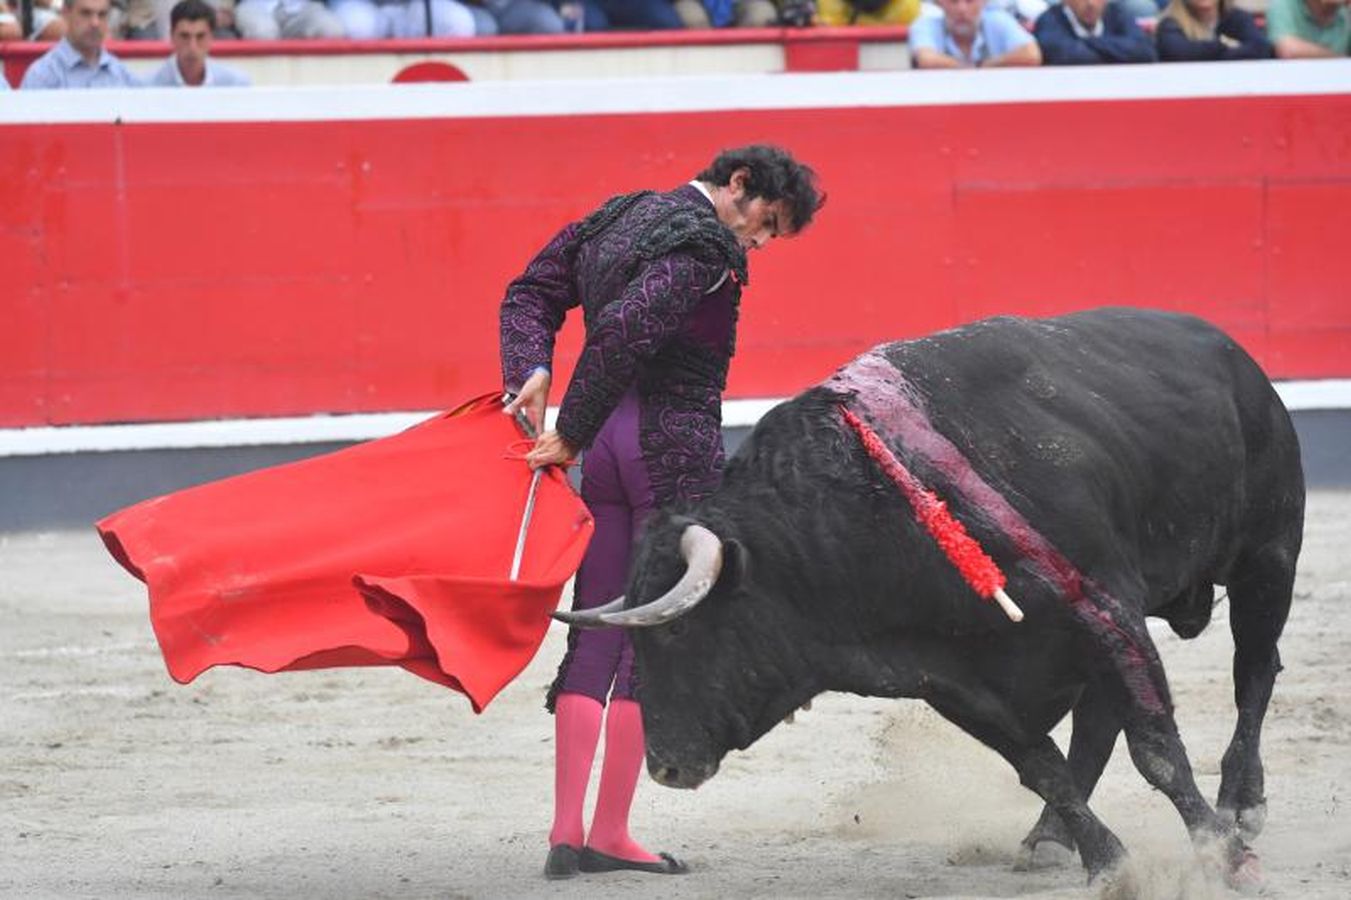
(589, 618)
(702, 552)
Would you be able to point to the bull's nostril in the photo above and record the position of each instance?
(669, 775)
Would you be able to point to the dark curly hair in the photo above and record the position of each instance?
(193, 11)
(774, 175)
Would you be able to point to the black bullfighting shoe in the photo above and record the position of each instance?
(561, 862)
(595, 861)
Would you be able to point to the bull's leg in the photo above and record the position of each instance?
(1118, 630)
(1158, 753)
(1259, 601)
(1043, 769)
(1096, 724)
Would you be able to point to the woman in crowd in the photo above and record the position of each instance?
(1191, 30)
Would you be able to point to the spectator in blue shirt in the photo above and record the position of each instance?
(1086, 32)
(78, 60)
(515, 17)
(191, 25)
(969, 35)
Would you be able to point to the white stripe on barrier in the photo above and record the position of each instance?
(706, 93)
(1298, 395)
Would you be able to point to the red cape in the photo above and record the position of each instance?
(393, 552)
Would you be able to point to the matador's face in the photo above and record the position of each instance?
(754, 220)
(757, 221)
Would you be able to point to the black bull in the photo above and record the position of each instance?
(1115, 464)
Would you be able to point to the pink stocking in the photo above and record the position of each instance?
(576, 731)
(618, 780)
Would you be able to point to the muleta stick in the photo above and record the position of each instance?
(529, 511)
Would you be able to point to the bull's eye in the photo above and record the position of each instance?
(676, 628)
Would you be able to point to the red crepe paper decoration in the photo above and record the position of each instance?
(962, 550)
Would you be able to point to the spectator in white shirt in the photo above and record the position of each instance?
(270, 20)
(370, 20)
(191, 26)
(46, 24)
(9, 27)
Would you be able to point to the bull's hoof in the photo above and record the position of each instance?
(1119, 882)
(1042, 847)
(1227, 857)
(1245, 875)
(1044, 854)
(1105, 860)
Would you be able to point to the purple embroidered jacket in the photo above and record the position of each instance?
(651, 321)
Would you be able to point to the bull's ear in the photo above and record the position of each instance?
(736, 560)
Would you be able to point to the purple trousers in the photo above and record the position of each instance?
(617, 490)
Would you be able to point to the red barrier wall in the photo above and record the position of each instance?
(203, 269)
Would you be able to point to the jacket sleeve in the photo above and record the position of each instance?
(628, 331)
(1060, 46)
(1252, 41)
(1175, 46)
(534, 309)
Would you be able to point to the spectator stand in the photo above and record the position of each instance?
(593, 55)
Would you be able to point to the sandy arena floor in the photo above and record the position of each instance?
(115, 782)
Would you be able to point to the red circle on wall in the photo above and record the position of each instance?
(429, 70)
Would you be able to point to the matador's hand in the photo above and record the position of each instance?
(550, 450)
(532, 398)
